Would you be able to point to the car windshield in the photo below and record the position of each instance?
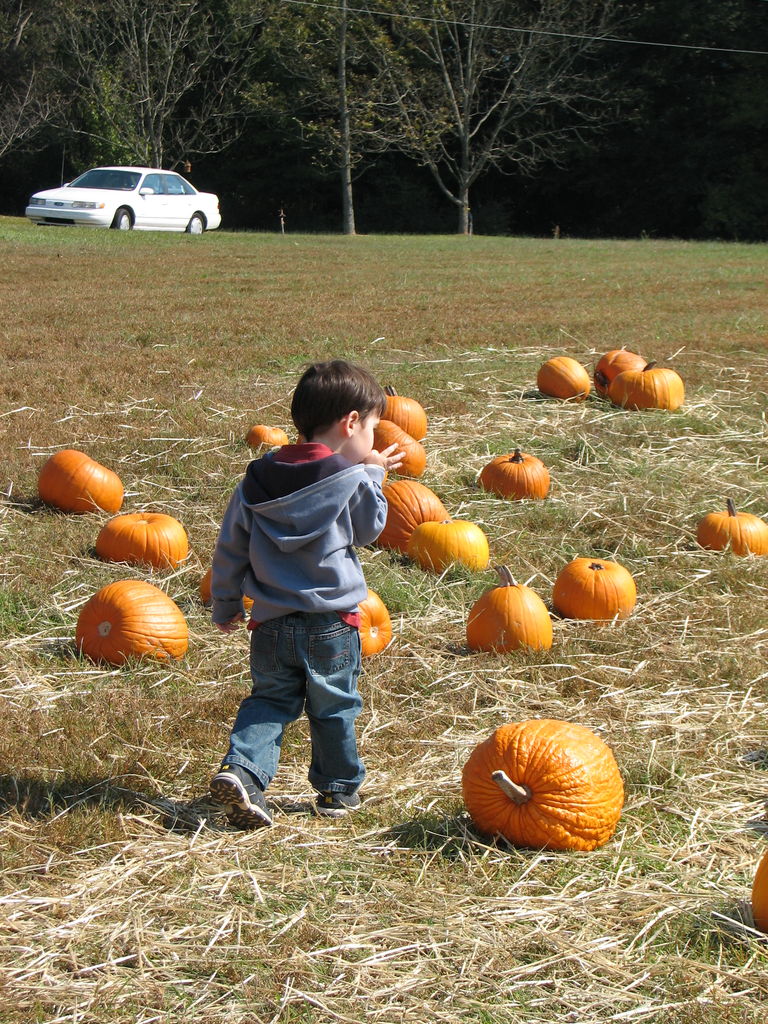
(118, 181)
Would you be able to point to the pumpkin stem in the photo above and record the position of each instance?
(649, 366)
(517, 794)
(389, 390)
(597, 566)
(506, 579)
(731, 507)
(517, 456)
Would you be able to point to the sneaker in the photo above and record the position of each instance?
(336, 805)
(236, 788)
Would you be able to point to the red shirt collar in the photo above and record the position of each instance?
(308, 451)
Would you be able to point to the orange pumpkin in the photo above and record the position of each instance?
(74, 482)
(388, 433)
(407, 413)
(653, 387)
(760, 895)
(518, 476)
(143, 538)
(563, 377)
(746, 533)
(594, 588)
(131, 619)
(507, 617)
(610, 365)
(436, 546)
(205, 592)
(546, 784)
(271, 437)
(375, 624)
(409, 504)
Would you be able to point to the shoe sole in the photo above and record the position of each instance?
(250, 818)
(240, 810)
(335, 812)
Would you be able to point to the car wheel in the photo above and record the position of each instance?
(196, 224)
(123, 221)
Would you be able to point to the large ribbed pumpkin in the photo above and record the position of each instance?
(375, 624)
(74, 482)
(746, 533)
(507, 617)
(407, 413)
(546, 784)
(409, 504)
(594, 588)
(610, 365)
(653, 387)
(204, 589)
(143, 538)
(436, 546)
(131, 619)
(760, 895)
(563, 377)
(517, 476)
(388, 433)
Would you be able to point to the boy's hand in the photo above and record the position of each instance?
(390, 458)
(231, 626)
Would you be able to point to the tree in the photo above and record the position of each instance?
(334, 88)
(700, 138)
(159, 80)
(491, 83)
(690, 157)
(345, 125)
(27, 98)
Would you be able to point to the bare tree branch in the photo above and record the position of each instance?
(491, 83)
(23, 111)
(161, 79)
(337, 91)
(27, 99)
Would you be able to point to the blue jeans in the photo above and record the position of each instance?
(302, 662)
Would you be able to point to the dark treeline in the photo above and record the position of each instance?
(498, 116)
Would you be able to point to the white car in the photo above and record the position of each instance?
(143, 198)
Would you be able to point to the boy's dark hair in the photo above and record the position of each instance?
(328, 391)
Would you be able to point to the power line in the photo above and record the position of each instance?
(526, 31)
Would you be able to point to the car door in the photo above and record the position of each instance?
(180, 205)
(150, 203)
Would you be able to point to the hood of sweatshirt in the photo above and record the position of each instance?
(296, 504)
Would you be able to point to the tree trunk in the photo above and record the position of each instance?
(465, 216)
(464, 177)
(347, 201)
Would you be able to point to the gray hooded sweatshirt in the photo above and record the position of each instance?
(288, 534)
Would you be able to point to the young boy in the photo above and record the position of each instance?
(287, 542)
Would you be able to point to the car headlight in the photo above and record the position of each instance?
(80, 204)
(36, 202)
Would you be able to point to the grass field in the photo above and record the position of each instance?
(125, 897)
